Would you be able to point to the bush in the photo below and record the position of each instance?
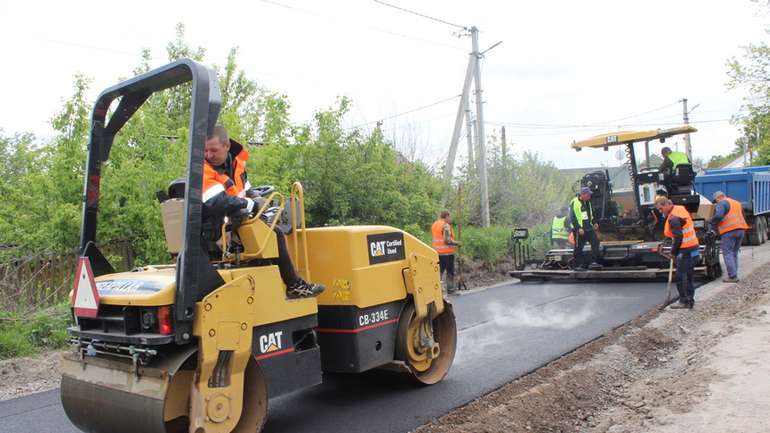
(25, 334)
(486, 244)
(417, 231)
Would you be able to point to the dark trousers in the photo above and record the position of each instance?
(285, 266)
(685, 274)
(446, 262)
(731, 246)
(582, 259)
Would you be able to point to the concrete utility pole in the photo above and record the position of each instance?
(450, 163)
(469, 131)
(687, 147)
(472, 73)
(480, 137)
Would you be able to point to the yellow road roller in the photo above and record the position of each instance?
(202, 345)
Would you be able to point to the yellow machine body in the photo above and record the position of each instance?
(383, 306)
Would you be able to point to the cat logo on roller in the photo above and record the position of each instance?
(377, 248)
(270, 342)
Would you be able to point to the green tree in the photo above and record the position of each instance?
(751, 72)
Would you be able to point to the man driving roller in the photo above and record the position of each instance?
(226, 190)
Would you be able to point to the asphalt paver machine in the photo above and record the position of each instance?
(630, 228)
(202, 345)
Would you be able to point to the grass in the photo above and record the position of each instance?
(30, 334)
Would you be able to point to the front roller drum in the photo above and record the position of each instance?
(426, 346)
(106, 396)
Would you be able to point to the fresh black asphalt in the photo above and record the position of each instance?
(504, 332)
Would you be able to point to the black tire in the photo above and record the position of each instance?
(767, 226)
(754, 234)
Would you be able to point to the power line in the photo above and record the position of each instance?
(364, 26)
(577, 129)
(438, 20)
(643, 113)
(591, 125)
(403, 113)
(611, 122)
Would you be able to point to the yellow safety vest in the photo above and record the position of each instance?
(558, 229)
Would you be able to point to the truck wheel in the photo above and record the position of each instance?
(754, 234)
(767, 226)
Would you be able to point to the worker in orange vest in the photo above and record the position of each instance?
(729, 222)
(685, 248)
(445, 245)
(226, 190)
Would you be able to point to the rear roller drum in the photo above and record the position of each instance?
(427, 346)
(108, 398)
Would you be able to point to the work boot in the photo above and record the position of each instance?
(303, 289)
(730, 280)
(680, 305)
(450, 286)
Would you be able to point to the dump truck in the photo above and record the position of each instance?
(202, 344)
(630, 228)
(748, 185)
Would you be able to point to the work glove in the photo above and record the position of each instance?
(250, 205)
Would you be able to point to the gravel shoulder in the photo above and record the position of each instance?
(673, 371)
(24, 376)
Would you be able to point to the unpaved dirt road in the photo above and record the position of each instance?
(678, 371)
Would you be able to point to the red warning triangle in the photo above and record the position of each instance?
(86, 296)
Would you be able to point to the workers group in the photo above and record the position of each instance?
(577, 225)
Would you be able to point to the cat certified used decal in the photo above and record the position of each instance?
(385, 247)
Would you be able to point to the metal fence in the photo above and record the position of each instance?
(45, 279)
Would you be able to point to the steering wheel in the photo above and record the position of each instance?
(263, 190)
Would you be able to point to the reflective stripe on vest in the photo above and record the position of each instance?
(580, 214)
(689, 239)
(734, 219)
(678, 158)
(558, 230)
(215, 182)
(437, 233)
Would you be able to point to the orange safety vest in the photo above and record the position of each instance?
(437, 231)
(689, 239)
(734, 219)
(215, 182)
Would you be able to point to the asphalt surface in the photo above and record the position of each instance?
(504, 332)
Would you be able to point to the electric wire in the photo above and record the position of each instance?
(403, 113)
(364, 26)
(438, 20)
(611, 122)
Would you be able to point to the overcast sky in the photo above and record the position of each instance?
(561, 63)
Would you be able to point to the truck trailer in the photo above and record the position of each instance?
(748, 185)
